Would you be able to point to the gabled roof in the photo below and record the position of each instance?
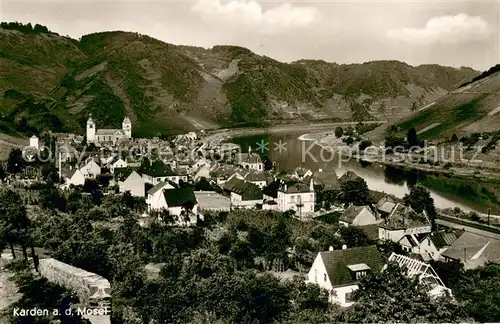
(326, 179)
(403, 217)
(109, 132)
(352, 212)
(248, 158)
(301, 171)
(254, 176)
(291, 187)
(336, 263)
(445, 238)
(122, 173)
(471, 246)
(158, 169)
(161, 186)
(247, 190)
(178, 197)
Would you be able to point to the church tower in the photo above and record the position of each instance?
(127, 127)
(90, 130)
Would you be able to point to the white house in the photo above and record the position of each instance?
(180, 203)
(473, 250)
(430, 246)
(74, 177)
(159, 172)
(403, 221)
(297, 196)
(202, 172)
(257, 178)
(91, 169)
(154, 195)
(339, 271)
(243, 194)
(358, 216)
(134, 184)
(117, 162)
(250, 161)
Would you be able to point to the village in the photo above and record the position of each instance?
(181, 180)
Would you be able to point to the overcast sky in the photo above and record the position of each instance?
(454, 33)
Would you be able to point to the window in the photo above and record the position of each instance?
(324, 277)
(348, 297)
(292, 199)
(360, 274)
(315, 276)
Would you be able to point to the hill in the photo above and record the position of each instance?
(54, 82)
(472, 108)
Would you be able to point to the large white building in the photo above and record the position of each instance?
(95, 135)
(287, 195)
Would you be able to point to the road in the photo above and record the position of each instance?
(468, 229)
(223, 134)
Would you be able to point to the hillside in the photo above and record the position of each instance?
(472, 108)
(53, 82)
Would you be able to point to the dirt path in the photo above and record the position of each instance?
(8, 291)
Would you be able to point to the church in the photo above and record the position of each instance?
(100, 136)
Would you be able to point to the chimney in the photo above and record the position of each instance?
(465, 254)
(344, 247)
(330, 248)
(320, 170)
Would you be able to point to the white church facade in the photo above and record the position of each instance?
(95, 135)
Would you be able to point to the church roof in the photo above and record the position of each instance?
(109, 131)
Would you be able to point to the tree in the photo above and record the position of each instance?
(356, 192)
(391, 142)
(14, 222)
(3, 175)
(349, 131)
(419, 199)
(392, 296)
(15, 162)
(364, 145)
(339, 131)
(412, 138)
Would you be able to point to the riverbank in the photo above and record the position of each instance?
(219, 136)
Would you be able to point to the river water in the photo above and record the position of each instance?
(287, 152)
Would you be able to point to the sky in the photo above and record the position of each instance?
(453, 33)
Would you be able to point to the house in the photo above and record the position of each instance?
(300, 173)
(402, 221)
(423, 271)
(154, 195)
(178, 202)
(34, 142)
(134, 183)
(117, 162)
(385, 205)
(473, 250)
(430, 246)
(73, 177)
(297, 196)
(202, 172)
(257, 178)
(221, 174)
(212, 201)
(158, 172)
(358, 216)
(340, 271)
(91, 169)
(250, 161)
(325, 180)
(244, 194)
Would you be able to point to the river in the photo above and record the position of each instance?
(294, 152)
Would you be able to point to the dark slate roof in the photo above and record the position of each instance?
(122, 173)
(293, 186)
(179, 196)
(403, 217)
(247, 190)
(158, 169)
(445, 238)
(224, 172)
(326, 179)
(255, 176)
(351, 213)
(271, 189)
(336, 263)
(370, 230)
